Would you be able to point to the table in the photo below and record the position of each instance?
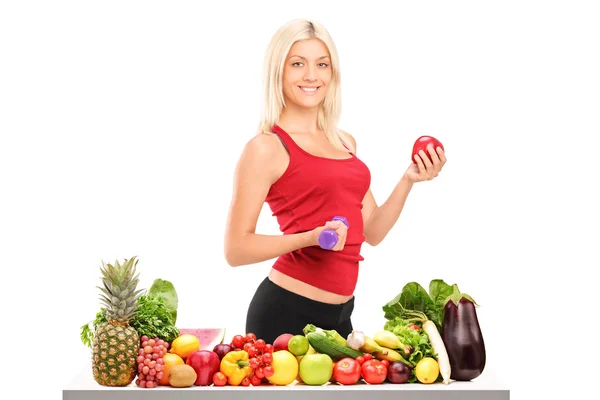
(485, 387)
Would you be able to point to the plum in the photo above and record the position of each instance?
(222, 349)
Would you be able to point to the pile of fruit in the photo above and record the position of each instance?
(317, 357)
(135, 339)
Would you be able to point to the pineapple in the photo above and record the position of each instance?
(116, 344)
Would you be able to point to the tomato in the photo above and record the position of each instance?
(367, 356)
(373, 371)
(250, 338)
(260, 345)
(259, 372)
(386, 363)
(267, 358)
(360, 359)
(219, 379)
(255, 381)
(268, 371)
(238, 341)
(347, 371)
(413, 326)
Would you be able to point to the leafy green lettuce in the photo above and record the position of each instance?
(165, 289)
(419, 340)
(414, 297)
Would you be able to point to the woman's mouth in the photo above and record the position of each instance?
(309, 90)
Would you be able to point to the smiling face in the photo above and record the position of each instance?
(306, 74)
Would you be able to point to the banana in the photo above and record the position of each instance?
(391, 356)
(370, 346)
(387, 339)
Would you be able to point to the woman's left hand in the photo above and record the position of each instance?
(424, 169)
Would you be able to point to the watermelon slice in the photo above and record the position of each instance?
(208, 337)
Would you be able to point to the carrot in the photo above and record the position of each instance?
(435, 339)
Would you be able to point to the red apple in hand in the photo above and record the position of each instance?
(281, 343)
(422, 143)
(206, 363)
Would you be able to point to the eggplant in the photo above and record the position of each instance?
(463, 340)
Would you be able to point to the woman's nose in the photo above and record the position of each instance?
(310, 74)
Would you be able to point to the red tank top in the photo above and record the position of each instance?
(311, 191)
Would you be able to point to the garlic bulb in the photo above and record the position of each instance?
(356, 340)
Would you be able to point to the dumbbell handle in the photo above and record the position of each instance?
(328, 238)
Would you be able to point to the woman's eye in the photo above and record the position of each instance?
(298, 64)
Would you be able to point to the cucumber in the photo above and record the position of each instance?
(325, 346)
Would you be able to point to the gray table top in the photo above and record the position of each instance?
(488, 386)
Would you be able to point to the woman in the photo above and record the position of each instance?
(307, 170)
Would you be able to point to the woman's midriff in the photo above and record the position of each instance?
(306, 290)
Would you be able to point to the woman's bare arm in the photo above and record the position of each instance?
(262, 161)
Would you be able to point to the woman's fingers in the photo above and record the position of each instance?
(442, 155)
(419, 162)
(341, 232)
(437, 163)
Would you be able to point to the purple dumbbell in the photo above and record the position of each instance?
(328, 238)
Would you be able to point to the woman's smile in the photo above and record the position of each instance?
(309, 90)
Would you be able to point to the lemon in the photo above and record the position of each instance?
(184, 345)
(427, 370)
(285, 366)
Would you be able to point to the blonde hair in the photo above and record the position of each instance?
(272, 95)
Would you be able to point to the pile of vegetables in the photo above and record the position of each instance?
(155, 317)
(446, 325)
(410, 334)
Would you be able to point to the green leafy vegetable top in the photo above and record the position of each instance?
(419, 340)
(414, 297)
(166, 290)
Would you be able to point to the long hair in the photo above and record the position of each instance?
(272, 93)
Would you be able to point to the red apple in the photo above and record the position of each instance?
(422, 143)
(281, 343)
(206, 363)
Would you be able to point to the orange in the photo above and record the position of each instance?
(184, 345)
(170, 360)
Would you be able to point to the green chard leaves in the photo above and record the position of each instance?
(414, 297)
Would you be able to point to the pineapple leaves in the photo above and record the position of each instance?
(153, 314)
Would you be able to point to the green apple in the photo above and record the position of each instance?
(316, 369)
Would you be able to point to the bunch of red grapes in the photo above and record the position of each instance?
(260, 354)
(150, 361)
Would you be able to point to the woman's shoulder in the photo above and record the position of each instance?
(263, 145)
(348, 140)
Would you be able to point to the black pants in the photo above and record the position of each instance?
(275, 310)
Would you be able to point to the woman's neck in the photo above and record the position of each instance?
(300, 120)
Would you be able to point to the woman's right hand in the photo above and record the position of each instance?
(341, 230)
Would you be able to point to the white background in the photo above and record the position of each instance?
(121, 123)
